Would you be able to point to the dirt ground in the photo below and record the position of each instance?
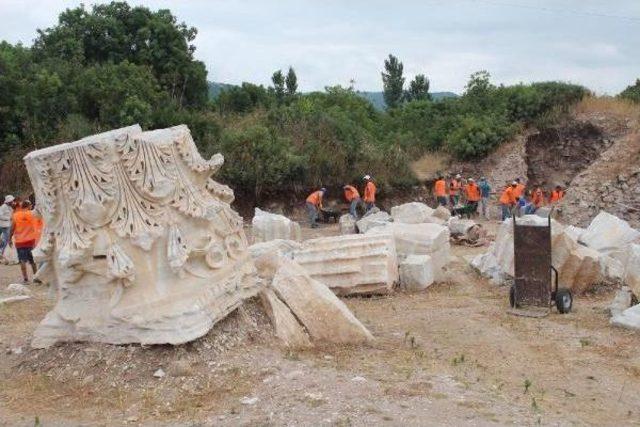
(450, 355)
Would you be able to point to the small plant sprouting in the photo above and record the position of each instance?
(458, 360)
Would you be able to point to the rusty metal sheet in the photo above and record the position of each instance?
(532, 264)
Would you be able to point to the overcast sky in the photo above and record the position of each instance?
(594, 43)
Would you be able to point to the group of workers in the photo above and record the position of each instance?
(515, 197)
(20, 225)
(351, 195)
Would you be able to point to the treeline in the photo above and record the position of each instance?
(114, 65)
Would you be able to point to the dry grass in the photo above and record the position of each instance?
(429, 165)
(608, 105)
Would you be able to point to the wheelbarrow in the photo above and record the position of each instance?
(535, 289)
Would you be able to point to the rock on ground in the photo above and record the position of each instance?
(621, 301)
(442, 213)
(632, 271)
(373, 220)
(412, 213)
(325, 316)
(353, 264)
(268, 226)
(608, 233)
(13, 299)
(347, 224)
(416, 272)
(286, 327)
(630, 318)
(420, 239)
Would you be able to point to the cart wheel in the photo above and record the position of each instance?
(512, 296)
(564, 300)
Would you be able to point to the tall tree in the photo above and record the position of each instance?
(291, 82)
(392, 82)
(418, 88)
(278, 81)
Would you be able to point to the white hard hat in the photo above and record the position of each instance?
(9, 198)
(367, 177)
(458, 176)
(471, 179)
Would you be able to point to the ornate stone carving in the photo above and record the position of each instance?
(139, 242)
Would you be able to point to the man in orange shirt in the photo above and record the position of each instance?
(352, 196)
(454, 190)
(369, 193)
(24, 232)
(440, 191)
(508, 200)
(314, 204)
(472, 191)
(519, 190)
(556, 195)
(538, 198)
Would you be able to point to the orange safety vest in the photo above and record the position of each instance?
(454, 187)
(370, 192)
(538, 198)
(315, 198)
(519, 190)
(473, 192)
(440, 188)
(25, 228)
(351, 193)
(556, 196)
(508, 196)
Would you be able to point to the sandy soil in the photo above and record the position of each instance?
(448, 356)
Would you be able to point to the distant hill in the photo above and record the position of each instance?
(375, 98)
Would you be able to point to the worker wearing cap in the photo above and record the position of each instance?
(440, 191)
(369, 193)
(519, 190)
(485, 193)
(556, 195)
(314, 204)
(472, 192)
(352, 196)
(6, 212)
(508, 200)
(24, 230)
(454, 190)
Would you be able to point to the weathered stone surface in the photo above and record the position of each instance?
(140, 244)
(412, 213)
(286, 327)
(581, 270)
(487, 265)
(574, 232)
(18, 288)
(352, 264)
(630, 318)
(325, 316)
(608, 233)
(267, 226)
(280, 247)
(347, 224)
(621, 301)
(420, 239)
(416, 272)
(370, 221)
(15, 298)
(632, 271)
(442, 213)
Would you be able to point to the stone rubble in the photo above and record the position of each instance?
(442, 213)
(285, 325)
(267, 226)
(412, 213)
(632, 271)
(372, 220)
(347, 224)
(281, 247)
(629, 318)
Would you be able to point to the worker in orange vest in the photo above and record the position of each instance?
(556, 195)
(352, 196)
(472, 192)
(440, 191)
(369, 193)
(519, 190)
(314, 204)
(454, 190)
(538, 197)
(508, 200)
(24, 232)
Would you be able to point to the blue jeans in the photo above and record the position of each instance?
(506, 211)
(442, 200)
(312, 211)
(370, 205)
(4, 238)
(353, 207)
